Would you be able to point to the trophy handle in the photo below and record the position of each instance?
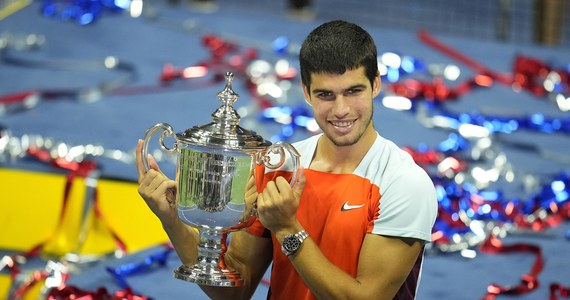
(279, 148)
(167, 131)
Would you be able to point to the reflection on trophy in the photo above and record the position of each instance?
(214, 164)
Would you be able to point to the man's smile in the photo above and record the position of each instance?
(342, 124)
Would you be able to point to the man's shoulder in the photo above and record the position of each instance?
(386, 162)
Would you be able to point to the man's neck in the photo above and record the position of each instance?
(335, 159)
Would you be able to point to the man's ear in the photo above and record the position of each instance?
(377, 85)
(306, 94)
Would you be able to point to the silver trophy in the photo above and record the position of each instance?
(214, 163)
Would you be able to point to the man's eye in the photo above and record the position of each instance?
(325, 95)
(353, 91)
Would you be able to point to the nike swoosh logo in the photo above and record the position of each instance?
(346, 206)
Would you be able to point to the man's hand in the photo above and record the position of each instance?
(277, 204)
(157, 190)
(250, 198)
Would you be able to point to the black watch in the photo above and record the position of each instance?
(292, 242)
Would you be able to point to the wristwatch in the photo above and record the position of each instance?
(292, 242)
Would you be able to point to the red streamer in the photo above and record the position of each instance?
(469, 62)
(224, 55)
(70, 292)
(528, 73)
(557, 288)
(437, 91)
(528, 283)
(36, 277)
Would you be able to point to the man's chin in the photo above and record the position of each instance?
(344, 141)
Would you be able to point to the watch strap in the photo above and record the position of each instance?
(302, 235)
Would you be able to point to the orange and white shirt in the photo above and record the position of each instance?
(387, 194)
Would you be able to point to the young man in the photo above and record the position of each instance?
(361, 210)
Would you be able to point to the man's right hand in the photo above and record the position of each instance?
(157, 190)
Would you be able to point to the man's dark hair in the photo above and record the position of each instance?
(335, 47)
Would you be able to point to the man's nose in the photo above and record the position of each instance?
(341, 106)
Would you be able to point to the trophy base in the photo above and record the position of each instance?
(212, 277)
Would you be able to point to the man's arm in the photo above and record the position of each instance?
(248, 254)
(383, 266)
(156, 189)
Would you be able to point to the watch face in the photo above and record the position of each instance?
(291, 243)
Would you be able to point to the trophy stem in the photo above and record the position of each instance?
(210, 268)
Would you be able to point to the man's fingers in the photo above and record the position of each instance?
(271, 191)
(152, 179)
(250, 186)
(260, 203)
(138, 154)
(167, 188)
(283, 187)
(299, 183)
(153, 164)
(171, 189)
(139, 161)
(157, 180)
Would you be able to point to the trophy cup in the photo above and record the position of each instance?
(214, 162)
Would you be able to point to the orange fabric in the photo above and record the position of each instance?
(339, 233)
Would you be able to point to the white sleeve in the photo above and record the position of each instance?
(408, 206)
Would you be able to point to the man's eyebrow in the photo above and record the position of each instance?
(357, 86)
(321, 91)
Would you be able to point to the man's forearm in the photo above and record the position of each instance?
(380, 274)
(312, 266)
(184, 239)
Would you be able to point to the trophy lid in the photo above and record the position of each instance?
(224, 130)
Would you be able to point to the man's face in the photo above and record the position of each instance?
(342, 104)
